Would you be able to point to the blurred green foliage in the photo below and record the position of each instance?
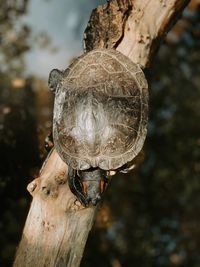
(150, 217)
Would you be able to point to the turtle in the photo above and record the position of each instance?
(100, 119)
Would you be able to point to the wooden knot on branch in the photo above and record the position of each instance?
(48, 226)
(47, 186)
(49, 190)
(50, 186)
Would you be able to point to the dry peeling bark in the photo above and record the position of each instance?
(134, 28)
(57, 228)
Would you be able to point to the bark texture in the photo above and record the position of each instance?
(57, 226)
(54, 234)
(133, 27)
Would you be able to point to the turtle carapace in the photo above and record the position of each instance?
(100, 118)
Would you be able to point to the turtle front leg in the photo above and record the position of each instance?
(76, 186)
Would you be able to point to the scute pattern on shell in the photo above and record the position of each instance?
(100, 111)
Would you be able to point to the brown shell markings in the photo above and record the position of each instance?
(101, 111)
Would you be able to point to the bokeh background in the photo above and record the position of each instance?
(150, 218)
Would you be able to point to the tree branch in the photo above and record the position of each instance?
(135, 28)
(56, 228)
(55, 231)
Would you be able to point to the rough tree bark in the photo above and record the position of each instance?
(56, 229)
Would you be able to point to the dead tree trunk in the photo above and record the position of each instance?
(56, 229)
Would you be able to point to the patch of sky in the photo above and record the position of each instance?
(63, 21)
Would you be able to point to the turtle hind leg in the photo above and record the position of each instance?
(76, 187)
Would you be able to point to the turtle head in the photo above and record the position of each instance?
(93, 184)
(88, 185)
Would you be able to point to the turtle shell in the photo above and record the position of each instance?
(100, 111)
